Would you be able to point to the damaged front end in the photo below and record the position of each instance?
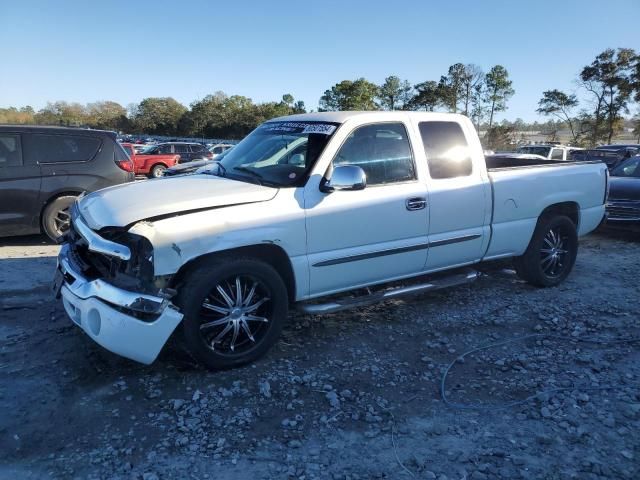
(121, 259)
(108, 289)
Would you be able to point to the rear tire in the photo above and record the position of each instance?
(551, 253)
(56, 218)
(157, 171)
(234, 310)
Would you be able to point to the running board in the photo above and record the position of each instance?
(337, 305)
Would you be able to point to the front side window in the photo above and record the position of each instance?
(44, 148)
(197, 148)
(163, 150)
(446, 148)
(10, 155)
(382, 150)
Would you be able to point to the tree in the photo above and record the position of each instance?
(159, 115)
(287, 99)
(62, 113)
(636, 128)
(107, 115)
(478, 104)
(500, 137)
(610, 79)
(452, 86)
(394, 93)
(559, 104)
(498, 91)
(350, 95)
(428, 96)
(472, 80)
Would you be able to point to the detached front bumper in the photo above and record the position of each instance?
(108, 314)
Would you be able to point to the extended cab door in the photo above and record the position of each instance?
(361, 237)
(459, 194)
(19, 188)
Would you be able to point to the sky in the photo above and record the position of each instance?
(85, 51)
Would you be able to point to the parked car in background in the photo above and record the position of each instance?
(550, 151)
(324, 211)
(44, 169)
(628, 149)
(187, 151)
(153, 166)
(219, 149)
(139, 147)
(196, 166)
(623, 205)
(610, 157)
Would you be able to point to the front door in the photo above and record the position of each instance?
(361, 237)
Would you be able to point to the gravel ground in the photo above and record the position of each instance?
(353, 395)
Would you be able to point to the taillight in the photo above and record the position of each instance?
(209, 155)
(126, 165)
(606, 186)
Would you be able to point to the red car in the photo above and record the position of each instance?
(153, 166)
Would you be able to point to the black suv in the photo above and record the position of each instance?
(187, 151)
(43, 170)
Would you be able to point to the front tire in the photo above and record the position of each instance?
(234, 310)
(56, 218)
(551, 253)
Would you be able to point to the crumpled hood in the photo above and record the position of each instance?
(624, 188)
(128, 203)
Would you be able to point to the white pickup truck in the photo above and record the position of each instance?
(321, 211)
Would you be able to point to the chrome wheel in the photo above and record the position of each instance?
(235, 315)
(158, 171)
(553, 252)
(61, 221)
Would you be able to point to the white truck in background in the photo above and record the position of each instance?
(320, 211)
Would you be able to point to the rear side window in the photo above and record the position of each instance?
(382, 150)
(556, 154)
(10, 152)
(41, 148)
(122, 153)
(445, 145)
(181, 148)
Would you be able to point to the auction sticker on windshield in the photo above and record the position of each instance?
(299, 127)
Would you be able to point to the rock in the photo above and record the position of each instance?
(545, 412)
(295, 444)
(150, 476)
(334, 401)
(196, 395)
(265, 388)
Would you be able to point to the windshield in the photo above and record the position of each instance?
(278, 153)
(544, 151)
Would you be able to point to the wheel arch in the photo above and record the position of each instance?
(271, 254)
(568, 209)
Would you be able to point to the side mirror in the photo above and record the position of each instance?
(345, 177)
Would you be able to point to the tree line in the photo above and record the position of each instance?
(610, 86)
(215, 116)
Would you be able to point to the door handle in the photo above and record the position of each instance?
(416, 203)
